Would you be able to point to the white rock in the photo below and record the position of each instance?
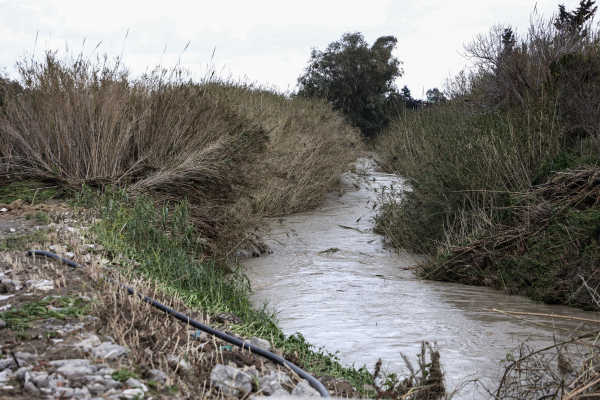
(69, 254)
(303, 389)
(230, 380)
(31, 389)
(12, 230)
(6, 307)
(5, 376)
(271, 383)
(40, 379)
(87, 344)
(6, 362)
(135, 383)
(40, 284)
(73, 362)
(72, 372)
(81, 393)
(158, 376)
(25, 356)
(109, 350)
(63, 393)
(262, 343)
(132, 393)
(3, 210)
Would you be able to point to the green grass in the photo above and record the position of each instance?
(123, 374)
(169, 251)
(19, 242)
(28, 191)
(19, 319)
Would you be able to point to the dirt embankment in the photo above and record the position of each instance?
(67, 333)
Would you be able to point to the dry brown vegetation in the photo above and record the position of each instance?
(567, 369)
(237, 152)
(545, 251)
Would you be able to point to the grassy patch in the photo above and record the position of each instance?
(29, 191)
(18, 320)
(123, 374)
(19, 242)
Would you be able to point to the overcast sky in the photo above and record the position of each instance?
(266, 41)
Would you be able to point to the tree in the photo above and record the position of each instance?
(435, 96)
(574, 21)
(408, 100)
(405, 92)
(355, 78)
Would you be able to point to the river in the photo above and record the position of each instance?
(364, 302)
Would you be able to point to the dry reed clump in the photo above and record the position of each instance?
(237, 152)
(544, 251)
(569, 369)
(424, 382)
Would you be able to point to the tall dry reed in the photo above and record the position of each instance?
(236, 151)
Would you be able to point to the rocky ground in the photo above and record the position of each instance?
(67, 333)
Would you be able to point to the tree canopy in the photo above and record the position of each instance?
(356, 78)
(575, 20)
(435, 95)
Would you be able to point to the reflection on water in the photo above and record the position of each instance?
(342, 290)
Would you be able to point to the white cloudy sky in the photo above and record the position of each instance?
(264, 40)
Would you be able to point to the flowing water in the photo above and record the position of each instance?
(341, 289)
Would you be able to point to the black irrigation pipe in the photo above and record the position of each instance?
(314, 382)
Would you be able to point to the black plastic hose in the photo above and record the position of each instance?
(314, 382)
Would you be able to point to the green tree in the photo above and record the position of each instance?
(435, 96)
(357, 79)
(405, 92)
(575, 20)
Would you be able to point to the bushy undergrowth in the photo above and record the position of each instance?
(461, 168)
(235, 151)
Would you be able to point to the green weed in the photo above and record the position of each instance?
(19, 242)
(42, 217)
(28, 191)
(18, 319)
(123, 374)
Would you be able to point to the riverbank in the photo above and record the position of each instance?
(56, 330)
(477, 165)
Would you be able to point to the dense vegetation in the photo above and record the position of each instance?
(526, 109)
(236, 152)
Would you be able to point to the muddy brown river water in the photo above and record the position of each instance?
(363, 302)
